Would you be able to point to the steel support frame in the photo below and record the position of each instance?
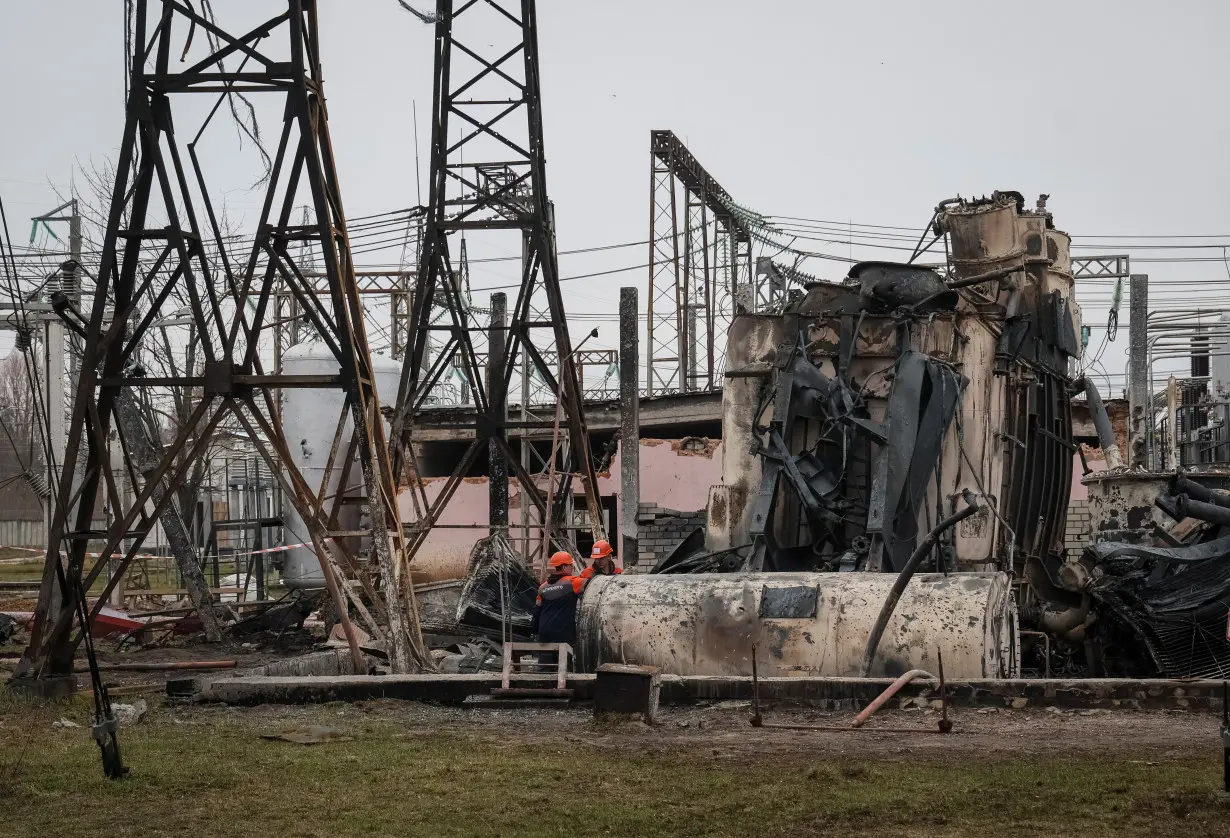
(493, 94)
(700, 271)
(230, 308)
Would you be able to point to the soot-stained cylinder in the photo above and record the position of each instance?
(802, 624)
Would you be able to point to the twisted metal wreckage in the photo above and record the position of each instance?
(900, 404)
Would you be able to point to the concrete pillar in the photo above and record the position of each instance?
(54, 348)
(498, 402)
(629, 425)
(1138, 371)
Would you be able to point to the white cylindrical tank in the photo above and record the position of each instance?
(309, 420)
(802, 624)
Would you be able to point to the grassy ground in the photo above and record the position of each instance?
(21, 571)
(421, 771)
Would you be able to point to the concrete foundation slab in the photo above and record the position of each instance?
(827, 693)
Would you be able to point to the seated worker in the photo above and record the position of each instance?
(602, 562)
(555, 611)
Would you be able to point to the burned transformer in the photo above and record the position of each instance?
(897, 466)
(904, 421)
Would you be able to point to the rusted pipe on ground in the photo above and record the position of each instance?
(840, 729)
(907, 573)
(162, 666)
(893, 689)
(945, 726)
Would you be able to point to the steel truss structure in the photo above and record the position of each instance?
(700, 270)
(488, 180)
(163, 238)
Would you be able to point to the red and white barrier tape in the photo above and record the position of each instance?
(154, 556)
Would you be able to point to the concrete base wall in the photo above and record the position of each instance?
(831, 693)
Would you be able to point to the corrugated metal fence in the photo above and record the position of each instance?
(22, 534)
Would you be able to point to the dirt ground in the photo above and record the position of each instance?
(723, 727)
(399, 768)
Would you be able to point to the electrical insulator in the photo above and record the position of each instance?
(23, 340)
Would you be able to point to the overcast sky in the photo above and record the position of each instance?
(857, 112)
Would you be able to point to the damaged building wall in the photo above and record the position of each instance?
(674, 474)
(660, 530)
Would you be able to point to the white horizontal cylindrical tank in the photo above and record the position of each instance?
(803, 624)
(309, 421)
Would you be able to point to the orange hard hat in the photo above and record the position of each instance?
(602, 549)
(560, 559)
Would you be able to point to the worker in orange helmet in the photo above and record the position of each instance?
(602, 561)
(555, 611)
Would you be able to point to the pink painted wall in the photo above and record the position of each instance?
(670, 477)
(1079, 490)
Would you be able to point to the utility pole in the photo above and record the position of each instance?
(497, 466)
(1140, 408)
(629, 426)
(56, 348)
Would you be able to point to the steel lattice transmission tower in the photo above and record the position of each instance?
(164, 241)
(700, 270)
(488, 180)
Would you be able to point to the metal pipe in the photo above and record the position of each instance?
(757, 720)
(1046, 648)
(1181, 485)
(1200, 510)
(1101, 422)
(893, 689)
(978, 279)
(907, 572)
(1067, 623)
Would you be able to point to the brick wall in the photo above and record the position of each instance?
(660, 530)
(1076, 533)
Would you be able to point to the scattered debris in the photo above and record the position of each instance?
(128, 715)
(482, 655)
(337, 637)
(279, 618)
(311, 735)
(64, 724)
(8, 627)
(499, 590)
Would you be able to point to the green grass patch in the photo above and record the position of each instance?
(23, 571)
(209, 774)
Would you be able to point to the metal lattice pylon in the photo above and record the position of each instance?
(488, 174)
(164, 241)
(700, 270)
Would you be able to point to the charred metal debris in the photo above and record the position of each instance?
(873, 404)
(1166, 591)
